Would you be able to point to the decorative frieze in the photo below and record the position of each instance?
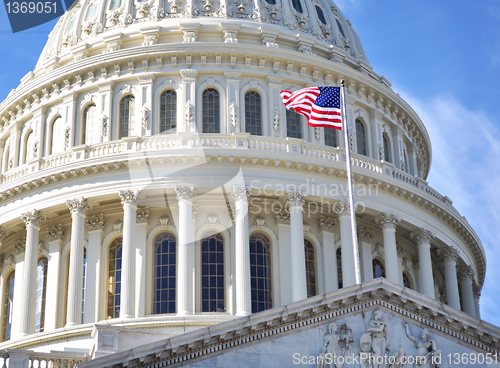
(364, 234)
(33, 218)
(422, 236)
(387, 221)
(78, 205)
(95, 222)
(326, 223)
(55, 232)
(3, 234)
(142, 215)
(241, 193)
(186, 193)
(129, 196)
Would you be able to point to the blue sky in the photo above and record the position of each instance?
(443, 58)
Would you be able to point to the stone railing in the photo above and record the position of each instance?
(243, 141)
(13, 358)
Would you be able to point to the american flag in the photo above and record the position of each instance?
(321, 105)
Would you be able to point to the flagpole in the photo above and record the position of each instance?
(345, 128)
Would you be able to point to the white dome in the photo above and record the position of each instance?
(309, 26)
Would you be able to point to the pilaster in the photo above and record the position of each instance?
(327, 237)
(56, 236)
(388, 222)
(423, 238)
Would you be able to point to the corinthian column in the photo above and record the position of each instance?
(466, 277)
(185, 266)
(127, 300)
(78, 208)
(423, 238)
(295, 201)
(388, 222)
(348, 259)
(450, 255)
(56, 236)
(33, 220)
(242, 252)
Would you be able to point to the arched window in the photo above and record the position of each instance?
(405, 157)
(90, 128)
(361, 137)
(114, 278)
(293, 124)
(127, 105)
(58, 143)
(310, 269)
(253, 113)
(260, 272)
(387, 157)
(341, 30)
(297, 6)
(115, 4)
(406, 280)
(168, 112)
(339, 268)
(84, 278)
(91, 12)
(164, 273)
(331, 137)
(378, 269)
(321, 15)
(30, 147)
(8, 303)
(211, 111)
(41, 288)
(212, 273)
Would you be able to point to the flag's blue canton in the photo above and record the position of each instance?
(328, 97)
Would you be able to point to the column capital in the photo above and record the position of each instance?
(422, 236)
(326, 223)
(20, 246)
(241, 193)
(283, 217)
(142, 215)
(449, 254)
(95, 222)
(55, 232)
(342, 208)
(295, 199)
(78, 206)
(476, 289)
(364, 234)
(186, 193)
(33, 218)
(3, 234)
(129, 196)
(466, 272)
(387, 221)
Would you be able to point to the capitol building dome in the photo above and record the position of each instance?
(156, 193)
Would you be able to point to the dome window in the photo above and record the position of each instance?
(260, 272)
(406, 280)
(253, 113)
(387, 157)
(321, 15)
(91, 12)
(58, 136)
(168, 112)
(8, 304)
(164, 273)
(378, 269)
(310, 269)
(297, 6)
(90, 128)
(361, 138)
(293, 124)
(114, 278)
(331, 137)
(211, 111)
(115, 4)
(41, 291)
(126, 115)
(271, 2)
(341, 30)
(339, 268)
(212, 273)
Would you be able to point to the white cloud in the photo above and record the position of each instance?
(465, 167)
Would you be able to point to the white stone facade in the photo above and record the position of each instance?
(95, 149)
